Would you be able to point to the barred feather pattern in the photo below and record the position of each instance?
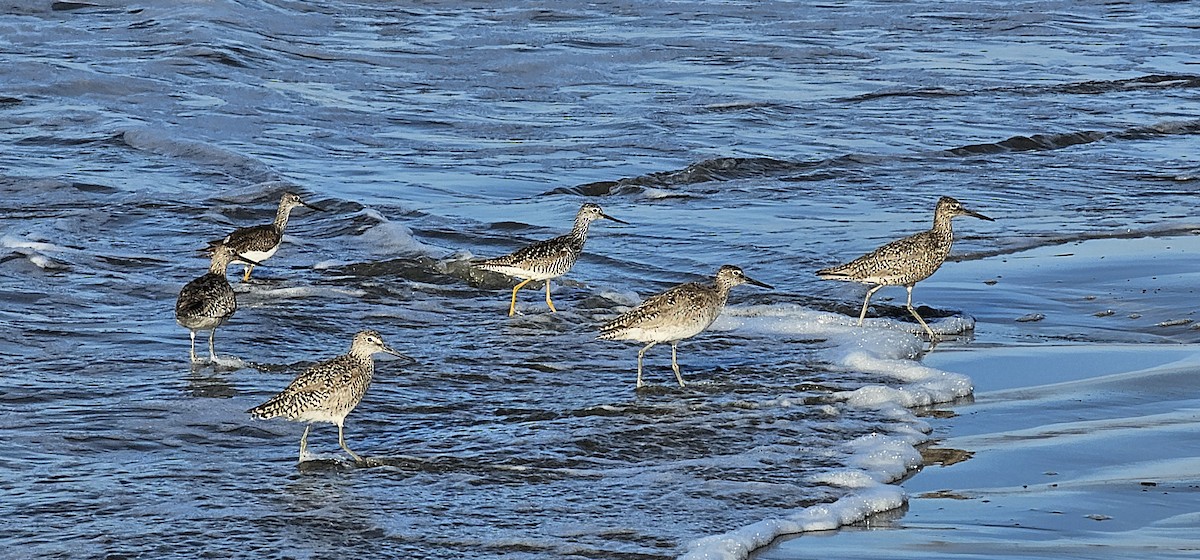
(678, 313)
(325, 392)
(906, 261)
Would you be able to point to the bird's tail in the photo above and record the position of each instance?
(269, 409)
(212, 247)
(839, 272)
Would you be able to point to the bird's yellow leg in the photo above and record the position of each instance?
(548, 302)
(512, 307)
(246, 275)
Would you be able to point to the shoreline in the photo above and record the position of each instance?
(1071, 448)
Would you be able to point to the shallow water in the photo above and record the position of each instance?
(780, 137)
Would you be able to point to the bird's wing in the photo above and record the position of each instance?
(320, 377)
(668, 307)
(254, 238)
(550, 250)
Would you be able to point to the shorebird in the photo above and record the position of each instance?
(547, 259)
(328, 391)
(208, 301)
(259, 243)
(904, 262)
(678, 313)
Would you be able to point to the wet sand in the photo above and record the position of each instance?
(1083, 438)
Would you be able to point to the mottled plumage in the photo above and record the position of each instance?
(259, 243)
(906, 261)
(547, 259)
(328, 391)
(208, 301)
(678, 313)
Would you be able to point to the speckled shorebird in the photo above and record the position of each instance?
(678, 313)
(328, 391)
(259, 243)
(904, 262)
(547, 259)
(208, 301)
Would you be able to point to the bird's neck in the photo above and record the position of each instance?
(362, 354)
(281, 217)
(722, 288)
(218, 266)
(580, 231)
(942, 225)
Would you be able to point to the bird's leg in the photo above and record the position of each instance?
(212, 352)
(193, 348)
(342, 442)
(512, 307)
(641, 353)
(304, 442)
(246, 274)
(867, 302)
(548, 302)
(932, 337)
(675, 364)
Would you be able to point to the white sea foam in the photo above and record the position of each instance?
(883, 347)
(228, 362)
(740, 543)
(39, 253)
(393, 239)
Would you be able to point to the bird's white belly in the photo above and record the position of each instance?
(260, 256)
(665, 333)
(200, 323)
(517, 272)
(319, 415)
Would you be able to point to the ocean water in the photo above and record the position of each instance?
(778, 136)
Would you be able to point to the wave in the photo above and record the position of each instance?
(737, 168)
(221, 160)
(1092, 87)
(1025, 243)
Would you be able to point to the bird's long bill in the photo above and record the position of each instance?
(311, 206)
(750, 280)
(606, 216)
(975, 214)
(242, 258)
(389, 350)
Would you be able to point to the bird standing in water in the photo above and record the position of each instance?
(259, 243)
(678, 313)
(328, 391)
(208, 301)
(904, 262)
(547, 259)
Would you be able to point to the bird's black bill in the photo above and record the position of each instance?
(405, 357)
(750, 280)
(313, 207)
(975, 214)
(240, 258)
(606, 216)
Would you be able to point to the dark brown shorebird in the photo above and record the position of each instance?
(328, 391)
(259, 243)
(678, 313)
(547, 259)
(904, 262)
(208, 301)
